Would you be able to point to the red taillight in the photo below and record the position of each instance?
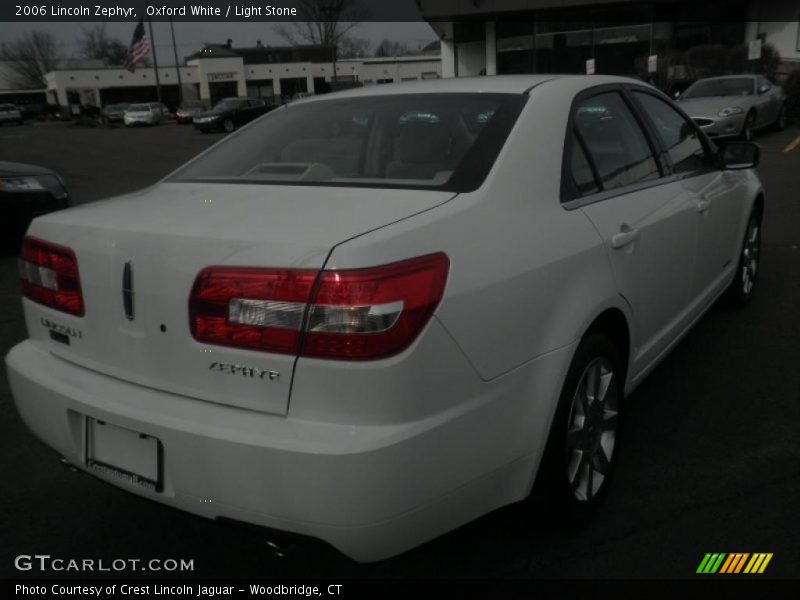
(356, 314)
(49, 275)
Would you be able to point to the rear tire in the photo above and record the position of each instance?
(743, 286)
(583, 445)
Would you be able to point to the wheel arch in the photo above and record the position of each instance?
(613, 323)
(758, 204)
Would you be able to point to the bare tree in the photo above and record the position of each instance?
(353, 47)
(97, 44)
(30, 57)
(325, 22)
(392, 48)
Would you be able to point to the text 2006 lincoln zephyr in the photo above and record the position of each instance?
(373, 316)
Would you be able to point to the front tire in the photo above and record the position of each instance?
(743, 285)
(780, 122)
(583, 445)
(227, 125)
(748, 127)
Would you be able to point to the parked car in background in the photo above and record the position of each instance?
(230, 113)
(27, 191)
(10, 114)
(115, 113)
(142, 114)
(735, 106)
(187, 111)
(162, 110)
(421, 299)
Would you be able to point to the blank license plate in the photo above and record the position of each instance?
(124, 454)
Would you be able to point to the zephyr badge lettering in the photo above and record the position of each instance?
(252, 372)
(127, 290)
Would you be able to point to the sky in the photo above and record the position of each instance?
(190, 36)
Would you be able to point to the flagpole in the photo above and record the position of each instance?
(177, 65)
(155, 60)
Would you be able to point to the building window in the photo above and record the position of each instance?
(515, 52)
(798, 37)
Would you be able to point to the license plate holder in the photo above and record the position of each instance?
(124, 454)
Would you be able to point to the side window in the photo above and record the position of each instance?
(581, 170)
(678, 136)
(616, 144)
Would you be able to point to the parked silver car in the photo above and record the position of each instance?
(735, 106)
(10, 114)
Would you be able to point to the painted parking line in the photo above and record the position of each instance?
(792, 145)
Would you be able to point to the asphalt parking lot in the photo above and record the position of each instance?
(710, 460)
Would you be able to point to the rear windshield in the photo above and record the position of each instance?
(429, 141)
(738, 86)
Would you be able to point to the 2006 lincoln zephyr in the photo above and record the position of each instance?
(374, 316)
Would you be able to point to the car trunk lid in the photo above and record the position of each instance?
(166, 235)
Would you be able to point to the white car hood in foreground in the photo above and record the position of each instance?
(169, 233)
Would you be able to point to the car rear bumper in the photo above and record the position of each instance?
(370, 491)
(139, 121)
(214, 126)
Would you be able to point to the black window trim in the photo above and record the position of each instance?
(570, 197)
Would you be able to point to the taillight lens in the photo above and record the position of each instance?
(49, 275)
(259, 309)
(356, 314)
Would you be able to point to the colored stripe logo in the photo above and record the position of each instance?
(735, 562)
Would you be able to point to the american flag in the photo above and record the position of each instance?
(139, 48)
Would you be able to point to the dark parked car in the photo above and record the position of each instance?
(27, 191)
(231, 112)
(113, 113)
(187, 111)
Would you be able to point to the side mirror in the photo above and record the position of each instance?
(763, 89)
(739, 155)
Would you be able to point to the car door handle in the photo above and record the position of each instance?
(703, 205)
(626, 236)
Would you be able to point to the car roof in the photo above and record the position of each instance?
(742, 76)
(499, 84)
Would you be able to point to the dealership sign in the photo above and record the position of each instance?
(225, 76)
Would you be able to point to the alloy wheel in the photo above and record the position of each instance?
(750, 256)
(592, 429)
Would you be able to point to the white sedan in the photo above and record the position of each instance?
(142, 114)
(373, 316)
